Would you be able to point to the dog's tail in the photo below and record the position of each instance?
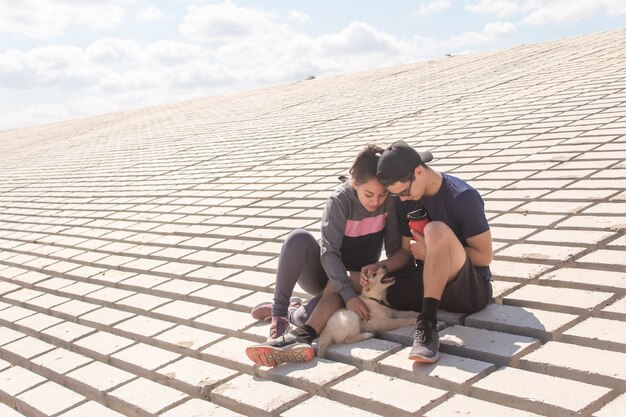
(323, 342)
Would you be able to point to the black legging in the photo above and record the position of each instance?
(299, 262)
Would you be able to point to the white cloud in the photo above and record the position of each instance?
(226, 22)
(614, 7)
(558, 11)
(43, 19)
(297, 16)
(113, 50)
(426, 8)
(501, 8)
(497, 29)
(149, 13)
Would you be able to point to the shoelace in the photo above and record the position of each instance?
(422, 334)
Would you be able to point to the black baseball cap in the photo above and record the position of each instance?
(398, 160)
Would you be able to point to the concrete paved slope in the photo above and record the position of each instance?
(133, 245)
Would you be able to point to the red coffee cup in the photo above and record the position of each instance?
(418, 219)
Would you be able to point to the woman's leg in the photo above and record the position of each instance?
(299, 262)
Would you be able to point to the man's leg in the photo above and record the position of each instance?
(445, 256)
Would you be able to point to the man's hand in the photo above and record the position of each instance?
(418, 246)
(358, 306)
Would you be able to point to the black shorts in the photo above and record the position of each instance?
(468, 293)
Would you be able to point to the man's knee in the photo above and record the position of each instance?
(437, 233)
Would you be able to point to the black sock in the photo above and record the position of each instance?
(430, 306)
(310, 330)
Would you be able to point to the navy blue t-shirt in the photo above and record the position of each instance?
(456, 204)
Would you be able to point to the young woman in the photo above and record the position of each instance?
(359, 217)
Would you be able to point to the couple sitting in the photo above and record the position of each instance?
(445, 267)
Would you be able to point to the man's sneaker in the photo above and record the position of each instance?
(263, 311)
(426, 342)
(293, 346)
(278, 327)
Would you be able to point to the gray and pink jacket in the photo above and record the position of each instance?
(352, 237)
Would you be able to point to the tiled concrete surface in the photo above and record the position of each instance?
(132, 245)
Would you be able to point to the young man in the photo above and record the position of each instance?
(455, 247)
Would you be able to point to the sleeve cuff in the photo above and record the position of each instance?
(347, 293)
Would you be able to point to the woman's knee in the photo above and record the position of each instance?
(299, 239)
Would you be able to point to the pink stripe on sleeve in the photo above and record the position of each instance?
(356, 228)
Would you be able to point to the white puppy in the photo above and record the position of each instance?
(345, 326)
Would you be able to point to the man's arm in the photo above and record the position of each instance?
(480, 249)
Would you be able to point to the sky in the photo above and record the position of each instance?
(64, 59)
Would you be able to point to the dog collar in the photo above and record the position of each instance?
(381, 302)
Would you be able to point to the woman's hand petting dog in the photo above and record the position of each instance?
(357, 305)
(367, 271)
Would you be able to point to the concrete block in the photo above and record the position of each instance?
(525, 321)
(231, 353)
(186, 338)
(193, 376)
(23, 350)
(587, 279)
(485, 345)
(6, 411)
(241, 394)
(45, 302)
(67, 332)
(143, 326)
(179, 287)
(142, 358)
(58, 362)
(472, 407)
(14, 313)
(538, 393)
(141, 303)
(607, 257)
(517, 271)
(96, 379)
(14, 381)
(594, 366)
(616, 408)
(320, 406)
(449, 373)
(91, 409)
(7, 287)
(143, 398)
(212, 274)
(104, 317)
(35, 323)
(386, 395)
(101, 345)
(615, 311)
(542, 253)
(219, 295)
(599, 333)
(365, 354)
(143, 281)
(199, 408)
(314, 377)
(47, 400)
(74, 308)
(181, 311)
(563, 300)
(225, 321)
(108, 295)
